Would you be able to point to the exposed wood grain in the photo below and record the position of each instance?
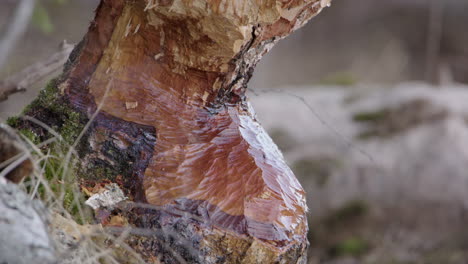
(175, 130)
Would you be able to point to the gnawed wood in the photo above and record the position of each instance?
(164, 83)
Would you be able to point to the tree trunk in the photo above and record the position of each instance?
(159, 87)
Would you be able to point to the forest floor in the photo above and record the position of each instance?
(384, 169)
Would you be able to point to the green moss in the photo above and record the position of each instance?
(350, 211)
(339, 78)
(30, 135)
(72, 199)
(59, 173)
(61, 182)
(71, 122)
(13, 121)
(379, 123)
(318, 170)
(100, 172)
(390, 121)
(350, 247)
(72, 126)
(371, 116)
(46, 98)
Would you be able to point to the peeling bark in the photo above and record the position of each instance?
(164, 84)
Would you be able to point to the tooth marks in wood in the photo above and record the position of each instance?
(169, 79)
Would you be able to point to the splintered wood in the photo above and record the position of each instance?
(177, 126)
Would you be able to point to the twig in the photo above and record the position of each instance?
(9, 89)
(16, 28)
(34, 73)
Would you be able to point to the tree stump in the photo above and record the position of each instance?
(158, 87)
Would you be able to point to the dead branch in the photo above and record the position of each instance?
(8, 90)
(34, 73)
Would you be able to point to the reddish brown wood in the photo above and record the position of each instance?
(169, 79)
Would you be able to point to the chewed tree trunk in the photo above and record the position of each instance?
(161, 85)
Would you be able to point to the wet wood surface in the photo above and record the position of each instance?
(164, 83)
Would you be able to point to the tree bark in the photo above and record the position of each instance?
(159, 87)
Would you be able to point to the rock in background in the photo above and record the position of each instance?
(24, 234)
(385, 169)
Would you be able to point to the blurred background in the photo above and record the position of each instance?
(368, 103)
